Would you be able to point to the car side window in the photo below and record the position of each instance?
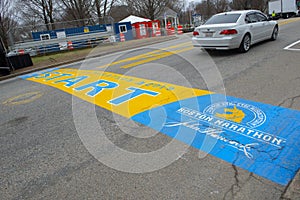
(261, 17)
(252, 18)
(247, 19)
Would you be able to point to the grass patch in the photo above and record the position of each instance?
(60, 56)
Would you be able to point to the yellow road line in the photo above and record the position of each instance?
(160, 56)
(138, 57)
(23, 98)
(280, 23)
(145, 55)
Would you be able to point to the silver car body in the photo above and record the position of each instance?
(210, 38)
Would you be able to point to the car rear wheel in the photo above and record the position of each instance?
(245, 44)
(274, 33)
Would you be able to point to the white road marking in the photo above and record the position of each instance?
(291, 45)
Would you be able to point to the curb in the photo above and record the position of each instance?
(124, 48)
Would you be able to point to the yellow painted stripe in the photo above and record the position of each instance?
(167, 93)
(145, 55)
(288, 21)
(160, 56)
(23, 98)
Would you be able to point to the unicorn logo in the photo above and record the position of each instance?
(238, 112)
(235, 115)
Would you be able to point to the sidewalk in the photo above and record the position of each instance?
(95, 52)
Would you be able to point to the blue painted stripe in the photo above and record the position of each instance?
(30, 75)
(260, 138)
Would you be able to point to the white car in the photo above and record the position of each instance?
(235, 30)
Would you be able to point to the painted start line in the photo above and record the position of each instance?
(260, 138)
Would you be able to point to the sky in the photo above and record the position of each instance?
(188, 1)
(195, 1)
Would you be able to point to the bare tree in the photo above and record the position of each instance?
(177, 6)
(107, 5)
(41, 9)
(119, 12)
(206, 8)
(261, 5)
(221, 5)
(98, 4)
(249, 4)
(240, 4)
(103, 8)
(7, 23)
(149, 8)
(77, 10)
(209, 7)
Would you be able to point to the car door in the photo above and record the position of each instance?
(254, 26)
(265, 26)
(260, 27)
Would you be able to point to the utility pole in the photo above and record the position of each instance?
(281, 10)
(208, 8)
(191, 7)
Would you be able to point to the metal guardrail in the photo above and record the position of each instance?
(37, 44)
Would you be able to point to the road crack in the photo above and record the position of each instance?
(236, 183)
(290, 100)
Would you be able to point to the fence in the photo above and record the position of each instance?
(41, 39)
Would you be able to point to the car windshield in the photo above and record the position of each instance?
(223, 19)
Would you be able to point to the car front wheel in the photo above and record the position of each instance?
(245, 44)
(274, 33)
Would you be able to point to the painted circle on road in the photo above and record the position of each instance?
(23, 98)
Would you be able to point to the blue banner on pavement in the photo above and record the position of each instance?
(260, 138)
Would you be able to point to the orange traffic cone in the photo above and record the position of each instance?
(122, 37)
(70, 45)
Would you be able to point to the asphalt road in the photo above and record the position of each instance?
(43, 155)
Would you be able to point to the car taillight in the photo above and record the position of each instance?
(195, 33)
(229, 32)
